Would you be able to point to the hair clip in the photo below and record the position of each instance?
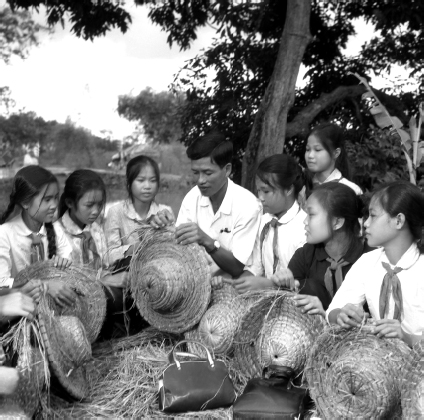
(225, 231)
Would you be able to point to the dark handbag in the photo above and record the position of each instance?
(271, 398)
(195, 385)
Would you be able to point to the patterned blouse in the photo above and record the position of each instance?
(121, 223)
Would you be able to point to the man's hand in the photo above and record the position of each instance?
(61, 263)
(116, 280)
(284, 278)
(310, 305)
(33, 289)
(350, 316)
(161, 219)
(61, 293)
(16, 304)
(9, 380)
(244, 284)
(389, 328)
(190, 233)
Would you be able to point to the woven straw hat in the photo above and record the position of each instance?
(353, 373)
(275, 332)
(68, 350)
(223, 293)
(413, 385)
(170, 283)
(32, 370)
(90, 306)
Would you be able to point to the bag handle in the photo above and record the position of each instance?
(175, 353)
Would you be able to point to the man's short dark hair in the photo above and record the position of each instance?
(213, 145)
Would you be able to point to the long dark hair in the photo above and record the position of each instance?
(28, 182)
(77, 184)
(282, 171)
(135, 165)
(406, 198)
(340, 201)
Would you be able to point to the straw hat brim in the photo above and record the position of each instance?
(274, 324)
(90, 305)
(353, 373)
(24, 402)
(162, 269)
(59, 352)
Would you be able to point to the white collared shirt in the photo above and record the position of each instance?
(363, 283)
(235, 224)
(15, 247)
(336, 175)
(71, 229)
(120, 227)
(291, 236)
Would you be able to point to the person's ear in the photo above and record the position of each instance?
(337, 153)
(400, 221)
(69, 203)
(228, 169)
(338, 223)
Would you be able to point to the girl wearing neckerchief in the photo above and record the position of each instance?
(390, 278)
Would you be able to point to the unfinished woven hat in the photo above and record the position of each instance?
(413, 385)
(274, 331)
(90, 305)
(68, 351)
(33, 375)
(354, 374)
(218, 326)
(223, 292)
(170, 283)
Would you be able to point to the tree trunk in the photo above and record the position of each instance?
(269, 129)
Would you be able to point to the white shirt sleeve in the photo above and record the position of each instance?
(5, 260)
(63, 247)
(352, 289)
(116, 249)
(184, 215)
(255, 265)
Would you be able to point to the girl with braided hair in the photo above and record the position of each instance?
(27, 233)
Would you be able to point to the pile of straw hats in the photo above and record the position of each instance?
(170, 283)
(274, 331)
(90, 305)
(413, 385)
(353, 373)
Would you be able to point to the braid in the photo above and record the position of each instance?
(8, 212)
(51, 238)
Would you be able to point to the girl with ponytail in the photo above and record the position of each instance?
(27, 233)
(389, 279)
(279, 179)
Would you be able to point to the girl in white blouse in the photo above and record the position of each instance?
(390, 279)
(279, 179)
(123, 219)
(28, 235)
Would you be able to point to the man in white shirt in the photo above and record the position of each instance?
(217, 214)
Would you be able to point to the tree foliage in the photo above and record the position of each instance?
(157, 113)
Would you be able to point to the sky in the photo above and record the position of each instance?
(66, 76)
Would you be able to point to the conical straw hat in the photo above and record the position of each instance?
(354, 374)
(68, 351)
(413, 385)
(32, 370)
(170, 283)
(90, 305)
(275, 332)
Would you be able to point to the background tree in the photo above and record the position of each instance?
(157, 113)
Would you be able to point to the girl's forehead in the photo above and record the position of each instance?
(92, 195)
(314, 204)
(314, 140)
(146, 170)
(49, 189)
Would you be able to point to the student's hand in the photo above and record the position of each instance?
(161, 219)
(117, 280)
(61, 293)
(2, 356)
(351, 316)
(130, 251)
(16, 304)
(33, 289)
(190, 233)
(310, 305)
(284, 278)
(9, 380)
(244, 284)
(61, 263)
(389, 328)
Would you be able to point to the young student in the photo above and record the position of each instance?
(217, 214)
(333, 246)
(142, 178)
(27, 234)
(278, 181)
(326, 158)
(390, 278)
